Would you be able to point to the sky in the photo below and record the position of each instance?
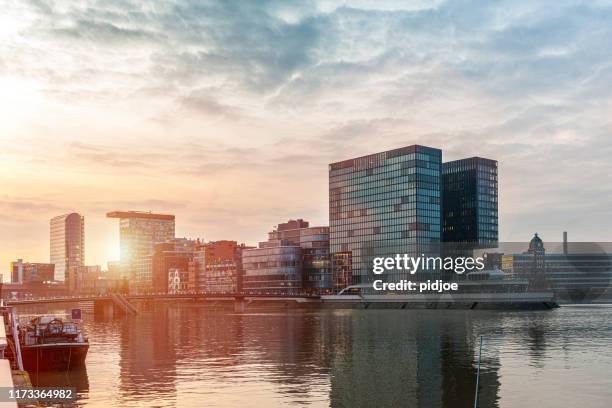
(227, 113)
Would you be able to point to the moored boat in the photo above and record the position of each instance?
(51, 343)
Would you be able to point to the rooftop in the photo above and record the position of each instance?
(140, 214)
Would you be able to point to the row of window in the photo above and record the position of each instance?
(414, 225)
(425, 216)
(365, 177)
(387, 236)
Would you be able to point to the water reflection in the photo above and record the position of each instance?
(189, 355)
(394, 359)
(346, 358)
(77, 379)
(148, 355)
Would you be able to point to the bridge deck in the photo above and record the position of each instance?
(218, 296)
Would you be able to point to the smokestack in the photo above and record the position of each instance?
(564, 242)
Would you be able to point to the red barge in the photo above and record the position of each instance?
(50, 343)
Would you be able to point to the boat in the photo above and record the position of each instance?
(51, 343)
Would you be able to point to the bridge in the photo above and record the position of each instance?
(121, 304)
(116, 304)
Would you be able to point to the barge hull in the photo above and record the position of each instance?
(46, 357)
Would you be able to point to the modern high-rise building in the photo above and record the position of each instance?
(67, 241)
(138, 234)
(381, 205)
(469, 203)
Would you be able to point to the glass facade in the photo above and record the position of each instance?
(316, 265)
(575, 277)
(272, 268)
(67, 243)
(580, 277)
(138, 234)
(382, 205)
(295, 256)
(469, 191)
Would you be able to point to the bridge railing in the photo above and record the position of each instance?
(203, 294)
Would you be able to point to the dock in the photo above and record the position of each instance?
(12, 373)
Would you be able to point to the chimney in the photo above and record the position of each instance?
(564, 242)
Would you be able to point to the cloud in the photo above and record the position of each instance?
(103, 33)
(138, 205)
(32, 206)
(237, 106)
(202, 102)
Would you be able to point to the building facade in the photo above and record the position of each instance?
(179, 281)
(295, 257)
(28, 272)
(173, 260)
(219, 266)
(138, 234)
(314, 244)
(67, 243)
(316, 262)
(342, 270)
(79, 278)
(584, 276)
(383, 204)
(273, 267)
(469, 210)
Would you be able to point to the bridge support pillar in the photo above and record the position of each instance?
(104, 308)
(239, 305)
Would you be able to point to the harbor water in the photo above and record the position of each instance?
(193, 356)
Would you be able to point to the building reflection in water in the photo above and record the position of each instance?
(148, 356)
(187, 354)
(399, 359)
(342, 358)
(536, 338)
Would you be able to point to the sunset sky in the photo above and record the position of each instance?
(226, 114)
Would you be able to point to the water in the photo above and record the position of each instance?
(191, 356)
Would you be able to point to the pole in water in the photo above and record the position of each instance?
(478, 375)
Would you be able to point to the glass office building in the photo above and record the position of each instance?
(138, 234)
(67, 243)
(381, 205)
(295, 257)
(273, 267)
(469, 214)
(582, 273)
(316, 270)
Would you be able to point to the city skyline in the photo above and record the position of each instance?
(230, 118)
(111, 258)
